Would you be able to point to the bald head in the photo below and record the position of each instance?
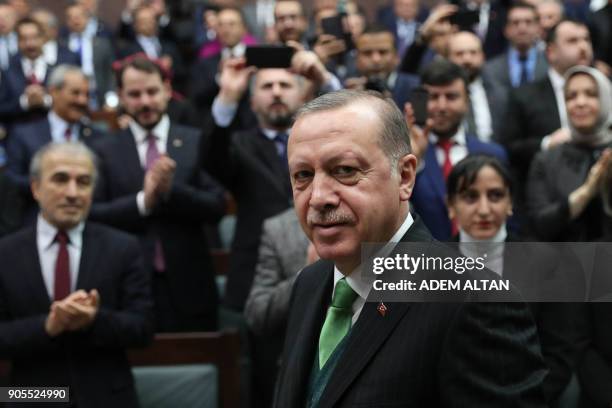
(465, 50)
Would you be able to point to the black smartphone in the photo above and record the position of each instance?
(465, 19)
(333, 26)
(418, 99)
(269, 56)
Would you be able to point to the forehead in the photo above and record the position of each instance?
(568, 29)
(229, 16)
(453, 87)
(464, 42)
(521, 13)
(28, 29)
(581, 81)
(144, 12)
(135, 78)
(74, 80)
(64, 162)
(288, 7)
(375, 40)
(267, 75)
(76, 11)
(549, 7)
(351, 129)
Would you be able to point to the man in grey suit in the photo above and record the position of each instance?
(523, 62)
(95, 52)
(282, 254)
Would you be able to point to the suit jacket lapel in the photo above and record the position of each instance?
(33, 272)
(130, 158)
(433, 171)
(301, 359)
(266, 151)
(89, 254)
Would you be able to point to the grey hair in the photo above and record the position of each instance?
(53, 21)
(68, 148)
(58, 75)
(394, 134)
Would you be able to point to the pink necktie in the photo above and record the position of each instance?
(61, 287)
(159, 262)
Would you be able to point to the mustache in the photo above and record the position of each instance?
(334, 216)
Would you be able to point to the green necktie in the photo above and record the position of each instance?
(338, 320)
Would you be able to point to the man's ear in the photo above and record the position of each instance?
(34, 186)
(451, 210)
(406, 167)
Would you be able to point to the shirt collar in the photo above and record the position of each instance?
(46, 233)
(362, 286)
(531, 53)
(271, 134)
(160, 130)
(237, 50)
(59, 125)
(458, 138)
(556, 79)
(501, 236)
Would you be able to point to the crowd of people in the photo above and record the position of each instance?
(122, 149)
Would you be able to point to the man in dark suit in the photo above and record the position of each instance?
(152, 185)
(95, 54)
(251, 162)
(352, 177)
(377, 63)
(536, 118)
(148, 40)
(66, 121)
(445, 145)
(73, 295)
(52, 49)
(403, 18)
(22, 91)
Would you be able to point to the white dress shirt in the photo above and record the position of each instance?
(354, 279)
(150, 45)
(160, 131)
(58, 128)
(480, 107)
(50, 52)
(38, 67)
(48, 250)
(458, 150)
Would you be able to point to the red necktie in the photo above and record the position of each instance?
(32, 79)
(68, 134)
(61, 287)
(447, 166)
(159, 262)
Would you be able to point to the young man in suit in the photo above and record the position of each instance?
(73, 295)
(22, 90)
(352, 173)
(66, 121)
(442, 143)
(152, 185)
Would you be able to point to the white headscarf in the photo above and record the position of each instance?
(602, 133)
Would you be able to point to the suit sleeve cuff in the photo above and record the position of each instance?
(140, 202)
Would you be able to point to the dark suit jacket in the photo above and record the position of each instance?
(177, 221)
(404, 84)
(418, 354)
(249, 166)
(602, 34)
(24, 141)
(527, 122)
(14, 82)
(554, 174)
(92, 362)
(495, 42)
(386, 17)
(428, 197)
(11, 207)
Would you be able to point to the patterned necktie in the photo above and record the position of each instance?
(338, 320)
(61, 286)
(159, 261)
(68, 134)
(524, 71)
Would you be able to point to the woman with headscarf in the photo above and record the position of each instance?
(568, 189)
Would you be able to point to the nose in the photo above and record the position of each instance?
(71, 189)
(276, 89)
(323, 196)
(484, 207)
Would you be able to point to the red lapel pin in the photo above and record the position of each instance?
(382, 309)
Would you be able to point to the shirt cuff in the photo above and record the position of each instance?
(140, 202)
(23, 102)
(223, 113)
(333, 84)
(545, 142)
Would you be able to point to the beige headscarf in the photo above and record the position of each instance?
(602, 133)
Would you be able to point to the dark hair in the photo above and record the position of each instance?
(139, 63)
(376, 28)
(442, 72)
(522, 5)
(551, 35)
(29, 20)
(465, 172)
